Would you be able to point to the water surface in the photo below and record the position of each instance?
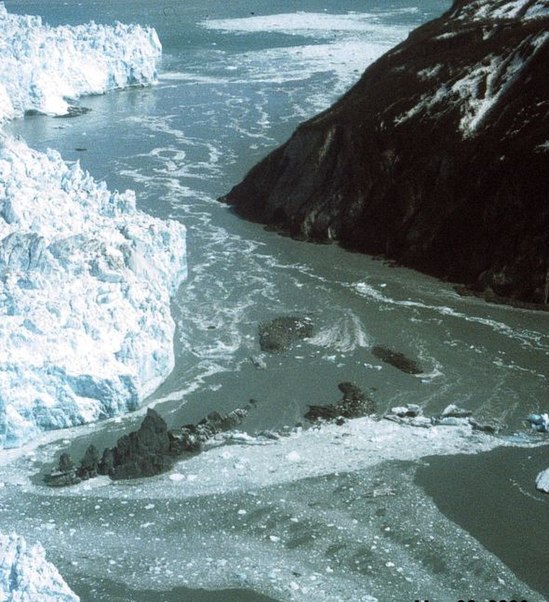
(236, 79)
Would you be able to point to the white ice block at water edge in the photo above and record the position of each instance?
(542, 481)
(85, 285)
(43, 68)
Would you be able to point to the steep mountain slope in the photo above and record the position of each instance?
(438, 157)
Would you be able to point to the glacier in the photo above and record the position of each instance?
(86, 279)
(85, 284)
(26, 575)
(44, 69)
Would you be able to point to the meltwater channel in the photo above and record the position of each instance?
(235, 80)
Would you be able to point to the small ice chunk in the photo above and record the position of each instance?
(293, 456)
(542, 481)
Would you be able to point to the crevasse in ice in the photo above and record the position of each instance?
(26, 575)
(43, 68)
(85, 279)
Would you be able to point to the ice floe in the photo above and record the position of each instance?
(542, 481)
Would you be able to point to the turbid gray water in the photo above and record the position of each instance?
(491, 496)
(235, 80)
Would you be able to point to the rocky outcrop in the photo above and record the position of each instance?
(141, 453)
(149, 451)
(353, 404)
(437, 158)
(65, 473)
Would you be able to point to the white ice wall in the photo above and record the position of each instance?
(85, 279)
(42, 68)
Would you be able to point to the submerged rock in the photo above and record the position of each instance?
(278, 334)
(354, 404)
(397, 359)
(486, 426)
(437, 158)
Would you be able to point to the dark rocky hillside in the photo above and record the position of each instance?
(437, 158)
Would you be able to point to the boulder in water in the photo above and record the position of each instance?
(354, 404)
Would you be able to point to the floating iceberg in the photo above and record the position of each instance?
(43, 68)
(26, 575)
(542, 481)
(85, 286)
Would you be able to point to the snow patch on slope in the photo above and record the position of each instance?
(85, 285)
(26, 575)
(42, 68)
(504, 9)
(478, 90)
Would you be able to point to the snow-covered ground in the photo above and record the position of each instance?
(477, 89)
(85, 279)
(504, 9)
(44, 68)
(26, 575)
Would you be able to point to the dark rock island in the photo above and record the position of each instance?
(437, 158)
(148, 451)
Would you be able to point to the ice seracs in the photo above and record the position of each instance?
(85, 286)
(85, 279)
(43, 68)
(26, 575)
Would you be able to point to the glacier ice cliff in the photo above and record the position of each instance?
(85, 279)
(44, 68)
(26, 575)
(85, 285)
